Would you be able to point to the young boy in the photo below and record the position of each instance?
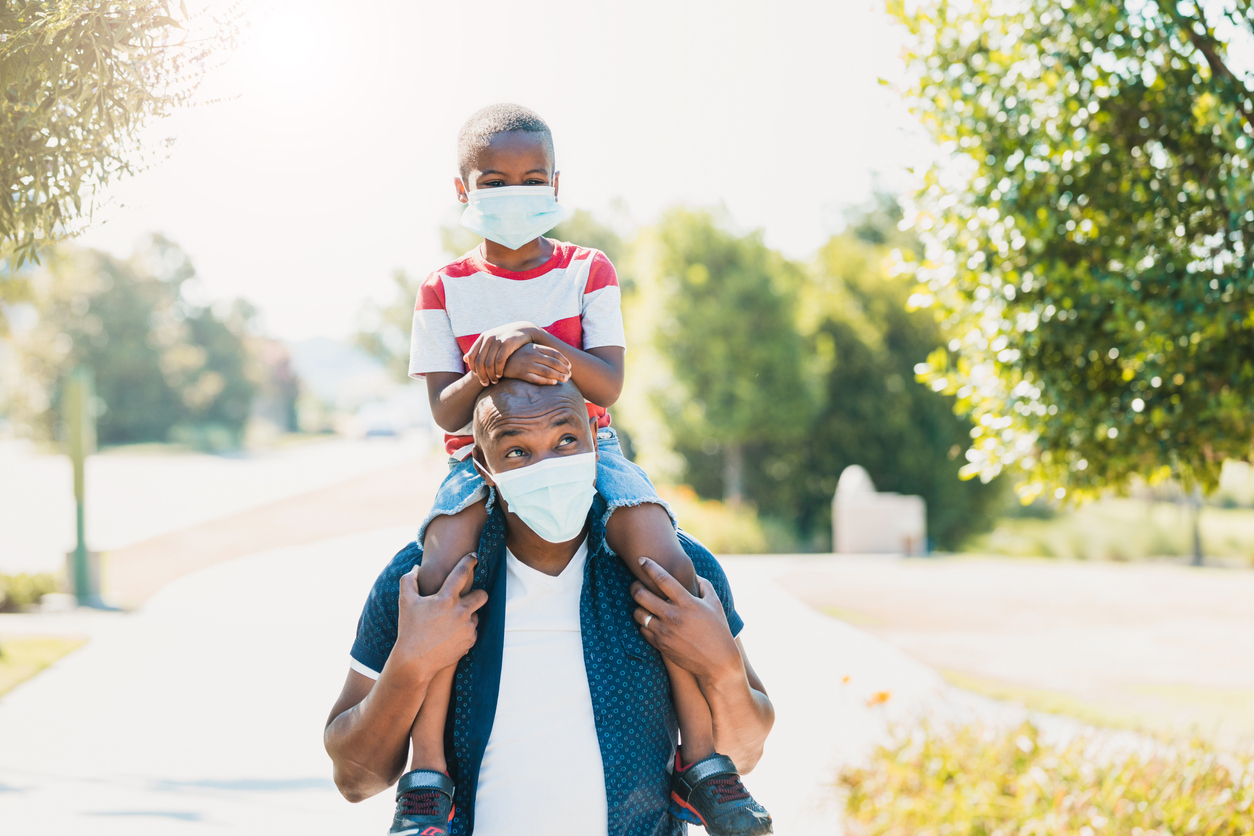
(532, 308)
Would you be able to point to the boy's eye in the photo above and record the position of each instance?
(515, 453)
(534, 182)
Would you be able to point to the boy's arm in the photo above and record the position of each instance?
(452, 397)
(598, 372)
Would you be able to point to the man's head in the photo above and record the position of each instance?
(504, 145)
(517, 424)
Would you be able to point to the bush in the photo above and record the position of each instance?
(1010, 783)
(726, 530)
(17, 592)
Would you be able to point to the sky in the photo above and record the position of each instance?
(326, 161)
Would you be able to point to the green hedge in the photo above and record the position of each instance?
(17, 592)
(979, 782)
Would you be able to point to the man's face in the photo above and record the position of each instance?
(514, 158)
(519, 424)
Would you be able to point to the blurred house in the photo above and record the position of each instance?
(865, 521)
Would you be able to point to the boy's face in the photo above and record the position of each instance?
(514, 158)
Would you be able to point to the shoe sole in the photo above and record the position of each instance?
(684, 811)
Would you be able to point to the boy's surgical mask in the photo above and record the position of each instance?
(513, 215)
(553, 496)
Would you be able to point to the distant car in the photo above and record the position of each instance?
(379, 419)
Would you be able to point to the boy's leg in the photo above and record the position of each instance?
(447, 540)
(646, 530)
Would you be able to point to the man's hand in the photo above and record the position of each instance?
(689, 630)
(435, 631)
(538, 364)
(492, 349)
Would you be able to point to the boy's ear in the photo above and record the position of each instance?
(477, 456)
(463, 196)
(557, 175)
(596, 443)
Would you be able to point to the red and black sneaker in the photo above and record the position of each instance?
(709, 793)
(424, 804)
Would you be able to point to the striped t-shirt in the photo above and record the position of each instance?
(574, 296)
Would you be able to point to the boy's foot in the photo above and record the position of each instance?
(709, 793)
(424, 804)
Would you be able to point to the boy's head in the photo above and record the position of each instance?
(504, 145)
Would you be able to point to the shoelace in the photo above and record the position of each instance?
(420, 803)
(728, 789)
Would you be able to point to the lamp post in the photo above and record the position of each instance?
(80, 419)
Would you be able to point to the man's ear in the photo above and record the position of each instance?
(477, 456)
(463, 195)
(556, 176)
(596, 443)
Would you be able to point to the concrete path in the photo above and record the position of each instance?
(202, 712)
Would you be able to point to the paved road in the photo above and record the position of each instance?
(202, 711)
(134, 495)
(1160, 646)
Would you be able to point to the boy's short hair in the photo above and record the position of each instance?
(485, 124)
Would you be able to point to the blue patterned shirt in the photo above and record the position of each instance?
(631, 703)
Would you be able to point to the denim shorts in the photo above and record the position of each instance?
(620, 482)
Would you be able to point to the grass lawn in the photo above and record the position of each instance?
(21, 657)
(1121, 529)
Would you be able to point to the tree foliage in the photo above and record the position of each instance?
(163, 366)
(849, 392)
(78, 80)
(725, 308)
(1088, 233)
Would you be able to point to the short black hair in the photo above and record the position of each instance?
(495, 119)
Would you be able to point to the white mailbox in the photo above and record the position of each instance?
(865, 521)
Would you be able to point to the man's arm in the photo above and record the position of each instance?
(692, 632)
(367, 734)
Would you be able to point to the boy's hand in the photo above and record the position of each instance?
(538, 364)
(492, 349)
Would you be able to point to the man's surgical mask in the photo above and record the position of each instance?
(553, 496)
(513, 215)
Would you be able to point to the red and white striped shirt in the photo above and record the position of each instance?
(574, 296)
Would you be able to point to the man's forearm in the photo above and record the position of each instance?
(369, 742)
(742, 716)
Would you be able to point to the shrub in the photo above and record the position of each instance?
(1011, 783)
(727, 530)
(17, 592)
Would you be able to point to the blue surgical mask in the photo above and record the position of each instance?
(513, 215)
(553, 496)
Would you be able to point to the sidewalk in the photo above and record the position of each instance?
(205, 707)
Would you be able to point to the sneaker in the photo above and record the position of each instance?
(709, 793)
(424, 804)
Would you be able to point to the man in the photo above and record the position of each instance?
(561, 720)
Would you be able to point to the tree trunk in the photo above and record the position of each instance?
(1198, 556)
(733, 474)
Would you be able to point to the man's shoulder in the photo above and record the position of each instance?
(383, 595)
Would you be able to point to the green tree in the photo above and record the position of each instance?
(723, 315)
(79, 80)
(161, 364)
(1088, 234)
(864, 343)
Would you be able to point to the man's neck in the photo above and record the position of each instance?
(538, 553)
(529, 256)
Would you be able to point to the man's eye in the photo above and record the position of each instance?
(513, 454)
(566, 439)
